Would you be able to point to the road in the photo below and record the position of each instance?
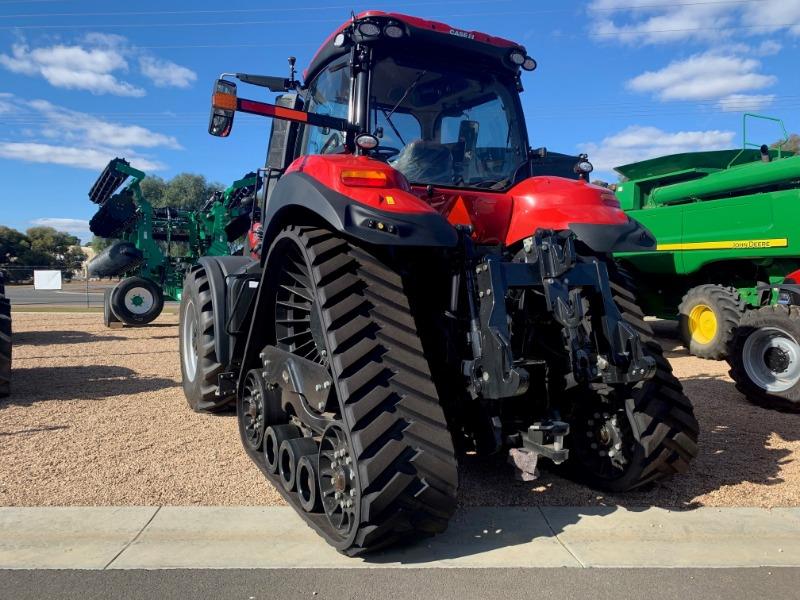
(442, 584)
(75, 294)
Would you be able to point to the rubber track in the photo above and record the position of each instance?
(663, 415)
(5, 342)
(403, 450)
(731, 308)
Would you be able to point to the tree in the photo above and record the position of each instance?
(39, 247)
(792, 145)
(185, 190)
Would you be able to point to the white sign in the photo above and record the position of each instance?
(47, 280)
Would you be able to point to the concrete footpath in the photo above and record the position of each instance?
(276, 538)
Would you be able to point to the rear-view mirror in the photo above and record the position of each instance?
(223, 108)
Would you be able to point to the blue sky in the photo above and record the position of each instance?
(86, 80)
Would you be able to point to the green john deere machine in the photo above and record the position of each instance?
(156, 246)
(727, 226)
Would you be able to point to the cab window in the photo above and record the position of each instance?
(328, 94)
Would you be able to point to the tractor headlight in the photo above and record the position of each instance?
(517, 57)
(393, 30)
(529, 64)
(340, 39)
(368, 29)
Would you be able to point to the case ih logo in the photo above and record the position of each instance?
(463, 34)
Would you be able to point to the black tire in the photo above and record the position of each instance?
(200, 367)
(5, 342)
(137, 301)
(652, 421)
(765, 357)
(388, 420)
(108, 314)
(727, 309)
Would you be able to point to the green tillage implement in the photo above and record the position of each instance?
(727, 229)
(157, 245)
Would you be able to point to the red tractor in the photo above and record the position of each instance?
(426, 283)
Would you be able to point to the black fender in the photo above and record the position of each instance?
(631, 236)
(343, 214)
(218, 269)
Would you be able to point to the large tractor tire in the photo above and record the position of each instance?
(137, 301)
(200, 366)
(765, 357)
(385, 468)
(632, 435)
(5, 342)
(708, 316)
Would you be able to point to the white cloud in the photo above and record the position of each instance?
(73, 67)
(702, 77)
(98, 131)
(79, 227)
(165, 73)
(638, 142)
(701, 20)
(95, 63)
(745, 102)
(768, 16)
(70, 138)
(70, 156)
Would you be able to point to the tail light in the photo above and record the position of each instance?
(364, 178)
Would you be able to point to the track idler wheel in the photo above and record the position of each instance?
(306, 484)
(251, 410)
(290, 452)
(338, 481)
(274, 436)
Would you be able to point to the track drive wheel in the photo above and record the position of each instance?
(137, 301)
(386, 468)
(199, 364)
(708, 316)
(631, 435)
(765, 357)
(5, 342)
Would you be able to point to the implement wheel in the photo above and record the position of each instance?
(626, 436)
(765, 361)
(709, 315)
(199, 364)
(137, 301)
(108, 314)
(385, 466)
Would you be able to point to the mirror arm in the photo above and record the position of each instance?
(279, 112)
(273, 84)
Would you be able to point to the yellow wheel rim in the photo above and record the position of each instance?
(702, 324)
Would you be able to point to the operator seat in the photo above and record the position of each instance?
(425, 162)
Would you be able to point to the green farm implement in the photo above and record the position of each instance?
(156, 246)
(726, 259)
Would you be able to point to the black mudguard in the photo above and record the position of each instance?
(219, 270)
(605, 239)
(343, 214)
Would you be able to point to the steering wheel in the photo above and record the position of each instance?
(385, 152)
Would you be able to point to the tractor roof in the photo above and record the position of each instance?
(419, 33)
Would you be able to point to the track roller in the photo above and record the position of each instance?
(274, 436)
(290, 452)
(306, 484)
(251, 410)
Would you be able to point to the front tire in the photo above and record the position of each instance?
(708, 316)
(200, 366)
(765, 357)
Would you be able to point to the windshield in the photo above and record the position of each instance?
(444, 127)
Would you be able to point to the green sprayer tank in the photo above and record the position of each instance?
(727, 225)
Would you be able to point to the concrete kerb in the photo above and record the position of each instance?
(275, 537)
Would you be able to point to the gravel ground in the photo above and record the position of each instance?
(97, 417)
